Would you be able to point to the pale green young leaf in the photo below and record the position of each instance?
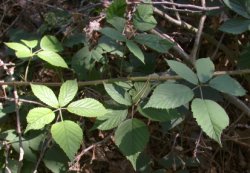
(228, 85)
(170, 95)
(45, 94)
(143, 19)
(50, 43)
(52, 58)
(131, 136)
(113, 34)
(154, 42)
(183, 71)
(37, 118)
(205, 69)
(140, 91)
(68, 135)
(17, 46)
(25, 53)
(211, 117)
(111, 120)
(30, 43)
(133, 158)
(119, 94)
(87, 107)
(67, 92)
(135, 49)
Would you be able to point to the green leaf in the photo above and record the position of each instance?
(154, 42)
(235, 26)
(238, 6)
(135, 49)
(228, 85)
(211, 117)
(183, 71)
(50, 43)
(140, 91)
(17, 46)
(118, 23)
(30, 43)
(37, 118)
(45, 94)
(52, 58)
(68, 135)
(170, 95)
(87, 107)
(131, 136)
(117, 8)
(56, 160)
(158, 114)
(21, 50)
(118, 94)
(143, 19)
(67, 92)
(24, 53)
(205, 69)
(133, 159)
(113, 34)
(74, 39)
(112, 119)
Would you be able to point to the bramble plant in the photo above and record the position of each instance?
(128, 103)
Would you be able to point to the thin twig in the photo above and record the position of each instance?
(179, 5)
(76, 160)
(153, 77)
(42, 154)
(19, 132)
(198, 35)
(23, 100)
(232, 55)
(176, 12)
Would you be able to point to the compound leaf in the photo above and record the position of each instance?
(50, 43)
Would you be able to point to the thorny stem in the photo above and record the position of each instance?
(153, 77)
(21, 150)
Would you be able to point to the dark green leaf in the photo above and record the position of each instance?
(228, 85)
(135, 49)
(235, 26)
(131, 136)
(143, 19)
(239, 6)
(154, 42)
(113, 34)
(117, 8)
